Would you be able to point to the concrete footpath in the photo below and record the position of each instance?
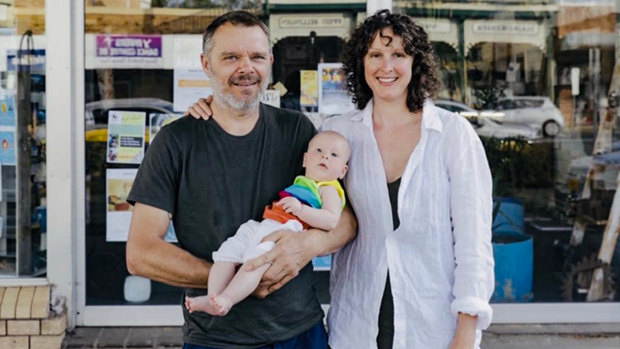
(547, 336)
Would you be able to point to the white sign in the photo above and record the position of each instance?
(521, 28)
(189, 86)
(118, 210)
(271, 97)
(4, 9)
(574, 81)
(432, 25)
(333, 21)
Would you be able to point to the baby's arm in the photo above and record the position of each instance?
(325, 218)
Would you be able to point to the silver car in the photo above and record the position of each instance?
(484, 123)
(535, 111)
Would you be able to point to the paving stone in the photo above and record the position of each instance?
(113, 337)
(9, 301)
(82, 337)
(170, 336)
(24, 302)
(142, 337)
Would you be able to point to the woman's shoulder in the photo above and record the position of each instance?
(341, 122)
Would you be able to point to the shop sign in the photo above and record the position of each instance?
(517, 28)
(335, 21)
(433, 25)
(129, 51)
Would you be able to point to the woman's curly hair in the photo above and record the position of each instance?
(425, 81)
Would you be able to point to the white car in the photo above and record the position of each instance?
(485, 123)
(535, 111)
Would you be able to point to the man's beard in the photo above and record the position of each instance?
(229, 99)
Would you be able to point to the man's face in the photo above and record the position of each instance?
(238, 65)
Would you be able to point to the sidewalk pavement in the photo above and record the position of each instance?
(518, 336)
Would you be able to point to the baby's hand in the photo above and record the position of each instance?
(290, 205)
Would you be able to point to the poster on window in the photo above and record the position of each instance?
(309, 88)
(118, 211)
(333, 95)
(159, 120)
(125, 137)
(7, 111)
(7, 147)
(128, 51)
(189, 86)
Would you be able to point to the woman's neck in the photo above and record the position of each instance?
(388, 114)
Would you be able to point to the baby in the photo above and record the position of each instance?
(314, 200)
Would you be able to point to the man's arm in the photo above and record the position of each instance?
(149, 255)
(294, 250)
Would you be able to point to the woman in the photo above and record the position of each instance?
(420, 272)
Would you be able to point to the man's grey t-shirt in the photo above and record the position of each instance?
(212, 182)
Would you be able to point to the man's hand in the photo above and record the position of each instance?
(291, 253)
(201, 109)
(290, 204)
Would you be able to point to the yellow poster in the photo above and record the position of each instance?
(126, 136)
(309, 88)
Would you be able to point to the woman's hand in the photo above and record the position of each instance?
(201, 109)
(290, 205)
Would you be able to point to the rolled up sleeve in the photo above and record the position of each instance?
(471, 206)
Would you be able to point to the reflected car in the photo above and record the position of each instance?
(535, 111)
(485, 123)
(96, 113)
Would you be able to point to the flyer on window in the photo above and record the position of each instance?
(333, 95)
(7, 147)
(159, 120)
(118, 211)
(7, 111)
(118, 215)
(309, 88)
(125, 137)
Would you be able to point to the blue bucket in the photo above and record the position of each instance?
(510, 215)
(514, 262)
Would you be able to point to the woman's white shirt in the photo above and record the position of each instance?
(440, 258)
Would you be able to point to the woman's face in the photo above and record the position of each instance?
(387, 67)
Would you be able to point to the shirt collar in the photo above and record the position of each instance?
(430, 119)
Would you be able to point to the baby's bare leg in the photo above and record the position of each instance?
(220, 275)
(241, 286)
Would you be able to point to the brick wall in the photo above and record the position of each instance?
(26, 321)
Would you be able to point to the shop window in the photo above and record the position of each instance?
(23, 227)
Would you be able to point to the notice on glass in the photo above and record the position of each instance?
(128, 51)
(309, 88)
(118, 211)
(7, 147)
(125, 137)
(333, 95)
(189, 86)
(7, 111)
(118, 216)
(159, 120)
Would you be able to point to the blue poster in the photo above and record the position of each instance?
(7, 148)
(7, 111)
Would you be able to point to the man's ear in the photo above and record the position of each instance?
(204, 62)
(344, 171)
(271, 58)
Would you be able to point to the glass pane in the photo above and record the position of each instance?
(545, 87)
(136, 54)
(22, 126)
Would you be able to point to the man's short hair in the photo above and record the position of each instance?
(236, 18)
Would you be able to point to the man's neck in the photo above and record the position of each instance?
(234, 121)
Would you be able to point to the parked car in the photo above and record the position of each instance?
(485, 123)
(535, 111)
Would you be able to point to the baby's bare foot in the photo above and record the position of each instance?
(202, 303)
(222, 304)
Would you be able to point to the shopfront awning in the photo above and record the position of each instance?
(505, 31)
(440, 30)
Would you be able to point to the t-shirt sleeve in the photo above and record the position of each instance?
(157, 180)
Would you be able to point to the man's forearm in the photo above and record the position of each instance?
(324, 243)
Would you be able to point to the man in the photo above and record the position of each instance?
(211, 176)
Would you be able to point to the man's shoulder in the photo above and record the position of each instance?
(284, 117)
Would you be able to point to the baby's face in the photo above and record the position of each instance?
(327, 156)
